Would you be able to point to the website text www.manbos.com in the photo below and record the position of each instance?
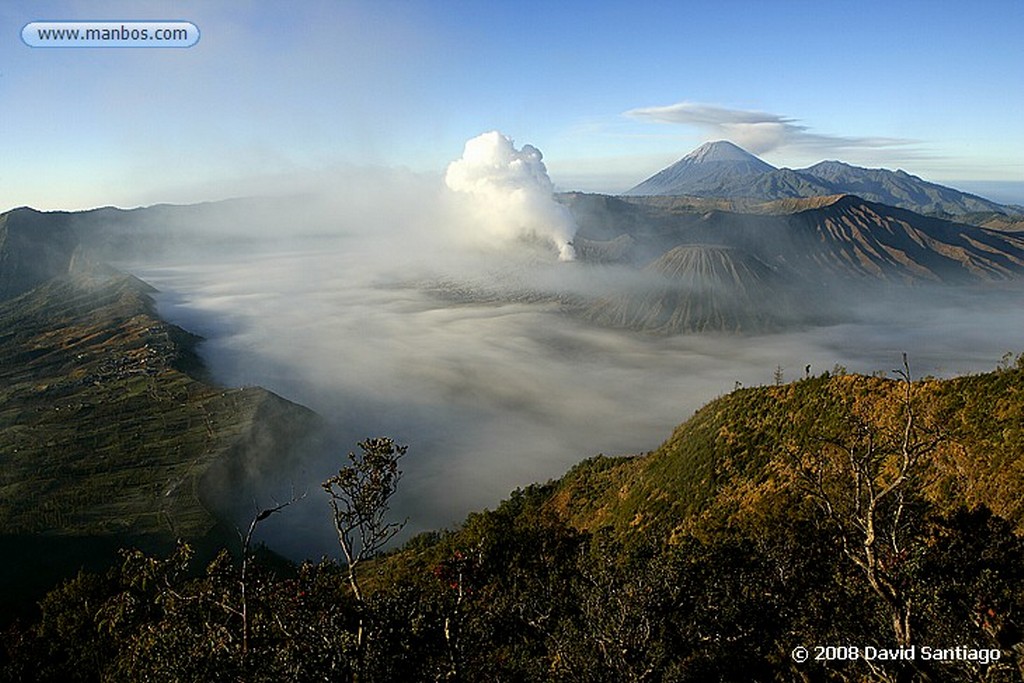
(110, 34)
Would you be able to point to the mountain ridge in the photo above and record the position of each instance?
(722, 169)
(112, 433)
(839, 235)
(820, 255)
(95, 385)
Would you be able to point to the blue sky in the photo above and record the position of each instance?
(609, 91)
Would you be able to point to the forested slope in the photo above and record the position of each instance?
(841, 510)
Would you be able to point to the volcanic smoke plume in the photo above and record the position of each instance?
(510, 194)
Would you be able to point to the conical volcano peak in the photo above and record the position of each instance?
(705, 171)
(720, 150)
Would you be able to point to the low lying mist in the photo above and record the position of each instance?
(362, 301)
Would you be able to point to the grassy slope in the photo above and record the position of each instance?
(731, 465)
(104, 427)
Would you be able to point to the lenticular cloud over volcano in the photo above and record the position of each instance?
(509, 193)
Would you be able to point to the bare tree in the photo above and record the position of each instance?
(260, 516)
(360, 497)
(864, 480)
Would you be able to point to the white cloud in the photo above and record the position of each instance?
(762, 132)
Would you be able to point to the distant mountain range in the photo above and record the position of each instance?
(724, 242)
(792, 262)
(724, 170)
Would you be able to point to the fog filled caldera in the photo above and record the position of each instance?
(396, 305)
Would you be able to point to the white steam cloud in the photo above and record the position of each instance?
(508, 193)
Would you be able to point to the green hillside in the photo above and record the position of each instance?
(111, 436)
(103, 430)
